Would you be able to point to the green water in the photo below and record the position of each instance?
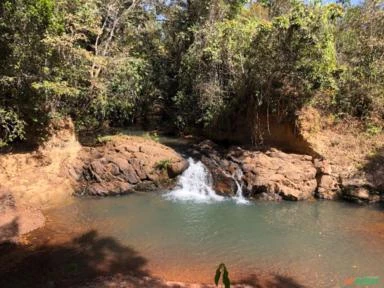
(319, 243)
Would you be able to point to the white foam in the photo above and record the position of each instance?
(239, 197)
(195, 185)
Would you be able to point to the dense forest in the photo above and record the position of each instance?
(189, 64)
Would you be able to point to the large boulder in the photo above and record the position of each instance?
(359, 189)
(275, 173)
(125, 164)
(328, 187)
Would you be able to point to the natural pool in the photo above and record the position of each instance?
(319, 244)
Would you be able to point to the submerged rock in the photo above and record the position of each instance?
(125, 164)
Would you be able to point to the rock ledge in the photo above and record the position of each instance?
(125, 164)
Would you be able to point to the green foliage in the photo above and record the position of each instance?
(212, 71)
(64, 57)
(163, 165)
(373, 129)
(292, 59)
(23, 26)
(360, 43)
(104, 139)
(152, 136)
(222, 270)
(11, 127)
(274, 66)
(195, 64)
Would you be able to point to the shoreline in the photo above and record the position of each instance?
(50, 185)
(166, 270)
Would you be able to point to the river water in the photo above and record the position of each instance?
(185, 233)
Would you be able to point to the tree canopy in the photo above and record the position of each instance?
(193, 63)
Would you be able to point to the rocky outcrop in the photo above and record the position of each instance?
(328, 183)
(328, 187)
(221, 169)
(275, 175)
(355, 157)
(367, 185)
(123, 165)
(360, 190)
(16, 221)
(265, 175)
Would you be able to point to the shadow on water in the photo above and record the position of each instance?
(92, 261)
(80, 261)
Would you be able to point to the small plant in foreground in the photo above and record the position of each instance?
(222, 269)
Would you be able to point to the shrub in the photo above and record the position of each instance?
(11, 127)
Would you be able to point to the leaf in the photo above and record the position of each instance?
(226, 281)
(217, 276)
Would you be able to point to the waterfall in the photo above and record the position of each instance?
(239, 198)
(195, 184)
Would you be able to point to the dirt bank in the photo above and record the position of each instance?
(61, 167)
(40, 178)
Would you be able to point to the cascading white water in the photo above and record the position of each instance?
(195, 184)
(239, 198)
